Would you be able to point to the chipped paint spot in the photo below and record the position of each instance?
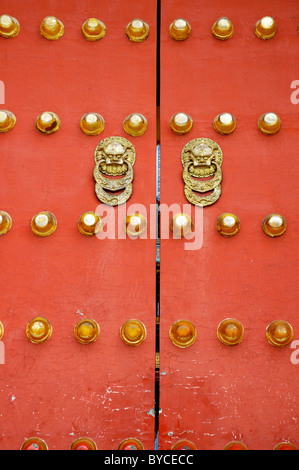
(151, 412)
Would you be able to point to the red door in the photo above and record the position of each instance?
(211, 393)
(62, 390)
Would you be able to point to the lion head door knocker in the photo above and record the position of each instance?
(114, 158)
(202, 160)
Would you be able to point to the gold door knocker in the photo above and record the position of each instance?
(114, 158)
(202, 160)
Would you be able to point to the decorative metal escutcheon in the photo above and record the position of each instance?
(114, 158)
(202, 159)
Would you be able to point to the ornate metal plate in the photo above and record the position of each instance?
(114, 158)
(202, 159)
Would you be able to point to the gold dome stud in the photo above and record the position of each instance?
(266, 28)
(135, 124)
(184, 444)
(7, 121)
(44, 224)
(181, 225)
(285, 446)
(130, 444)
(92, 124)
(180, 29)
(230, 332)
(93, 29)
(279, 333)
(87, 331)
(90, 224)
(5, 222)
(1, 330)
(235, 445)
(228, 224)
(39, 330)
(34, 443)
(9, 26)
(181, 123)
(48, 123)
(135, 224)
(223, 29)
(269, 123)
(274, 225)
(225, 123)
(51, 28)
(83, 443)
(133, 332)
(137, 30)
(183, 333)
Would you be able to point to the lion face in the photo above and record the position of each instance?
(203, 155)
(112, 155)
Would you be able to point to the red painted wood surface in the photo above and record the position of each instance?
(62, 390)
(212, 394)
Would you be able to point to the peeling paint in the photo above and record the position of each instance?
(151, 412)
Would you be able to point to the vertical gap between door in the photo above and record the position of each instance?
(157, 373)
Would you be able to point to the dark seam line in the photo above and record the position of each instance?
(157, 370)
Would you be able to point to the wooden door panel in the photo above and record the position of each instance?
(62, 390)
(212, 394)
